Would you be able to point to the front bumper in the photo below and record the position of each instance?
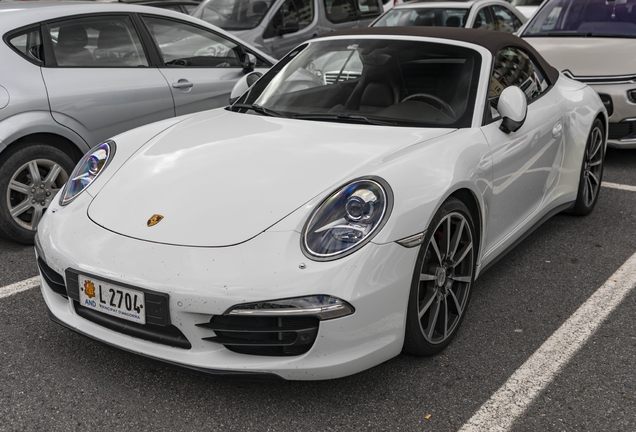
(206, 282)
(622, 113)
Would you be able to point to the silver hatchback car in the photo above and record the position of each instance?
(73, 75)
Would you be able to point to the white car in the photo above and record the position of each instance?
(496, 15)
(316, 229)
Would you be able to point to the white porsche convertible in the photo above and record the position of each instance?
(336, 215)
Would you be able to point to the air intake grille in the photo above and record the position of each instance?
(620, 130)
(266, 336)
(165, 335)
(54, 280)
(330, 77)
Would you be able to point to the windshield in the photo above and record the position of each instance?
(437, 17)
(585, 18)
(384, 81)
(235, 14)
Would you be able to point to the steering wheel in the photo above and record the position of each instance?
(178, 62)
(441, 104)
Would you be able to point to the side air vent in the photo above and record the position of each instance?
(264, 335)
(54, 280)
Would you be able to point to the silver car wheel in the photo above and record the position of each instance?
(445, 278)
(592, 167)
(31, 189)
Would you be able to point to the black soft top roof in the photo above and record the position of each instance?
(491, 40)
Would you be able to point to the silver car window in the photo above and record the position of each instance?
(97, 42)
(184, 45)
(29, 44)
(235, 14)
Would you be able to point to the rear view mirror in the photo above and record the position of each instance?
(249, 61)
(243, 85)
(513, 107)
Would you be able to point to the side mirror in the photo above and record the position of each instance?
(290, 26)
(243, 85)
(513, 108)
(249, 61)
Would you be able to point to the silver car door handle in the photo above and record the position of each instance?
(183, 84)
(557, 129)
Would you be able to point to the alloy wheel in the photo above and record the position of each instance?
(445, 278)
(31, 190)
(592, 167)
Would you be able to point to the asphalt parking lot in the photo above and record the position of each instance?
(53, 379)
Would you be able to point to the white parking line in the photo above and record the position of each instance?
(17, 287)
(619, 186)
(514, 397)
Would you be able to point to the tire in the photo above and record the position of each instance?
(591, 171)
(442, 281)
(30, 176)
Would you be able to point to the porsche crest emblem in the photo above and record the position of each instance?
(89, 289)
(154, 220)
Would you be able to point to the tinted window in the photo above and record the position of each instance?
(505, 20)
(184, 45)
(514, 67)
(29, 44)
(290, 13)
(235, 14)
(483, 20)
(584, 17)
(340, 11)
(97, 42)
(435, 17)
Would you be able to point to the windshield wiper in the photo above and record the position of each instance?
(345, 118)
(259, 109)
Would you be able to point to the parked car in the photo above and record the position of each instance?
(388, 4)
(277, 26)
(73, 75)
(589, 40)
(527, 7)
(496, 15)
(315, 229)
(183, 6)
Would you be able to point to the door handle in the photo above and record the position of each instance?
(183, 84)
(557, 129)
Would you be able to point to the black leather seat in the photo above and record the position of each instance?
(379, 86)
(113, 47)
(71, 47)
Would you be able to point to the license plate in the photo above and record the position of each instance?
(112, 300)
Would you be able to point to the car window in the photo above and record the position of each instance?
(437, 17)
(96, 42)
(514, 67)
(184, 45)
(340, 11)
(235, 15)
(368, 8)
(505, 20)
(290, 13)
(483, 20)
(583, 18)
(29, 44)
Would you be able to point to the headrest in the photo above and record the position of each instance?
(72, 36)
(453, 21)
(112, 37)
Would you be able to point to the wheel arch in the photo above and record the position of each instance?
(39, 127)
(54, 140)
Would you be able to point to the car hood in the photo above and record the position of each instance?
(588, 56)
(220, 178)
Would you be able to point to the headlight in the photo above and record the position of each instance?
(87, 170)
(348, 219)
